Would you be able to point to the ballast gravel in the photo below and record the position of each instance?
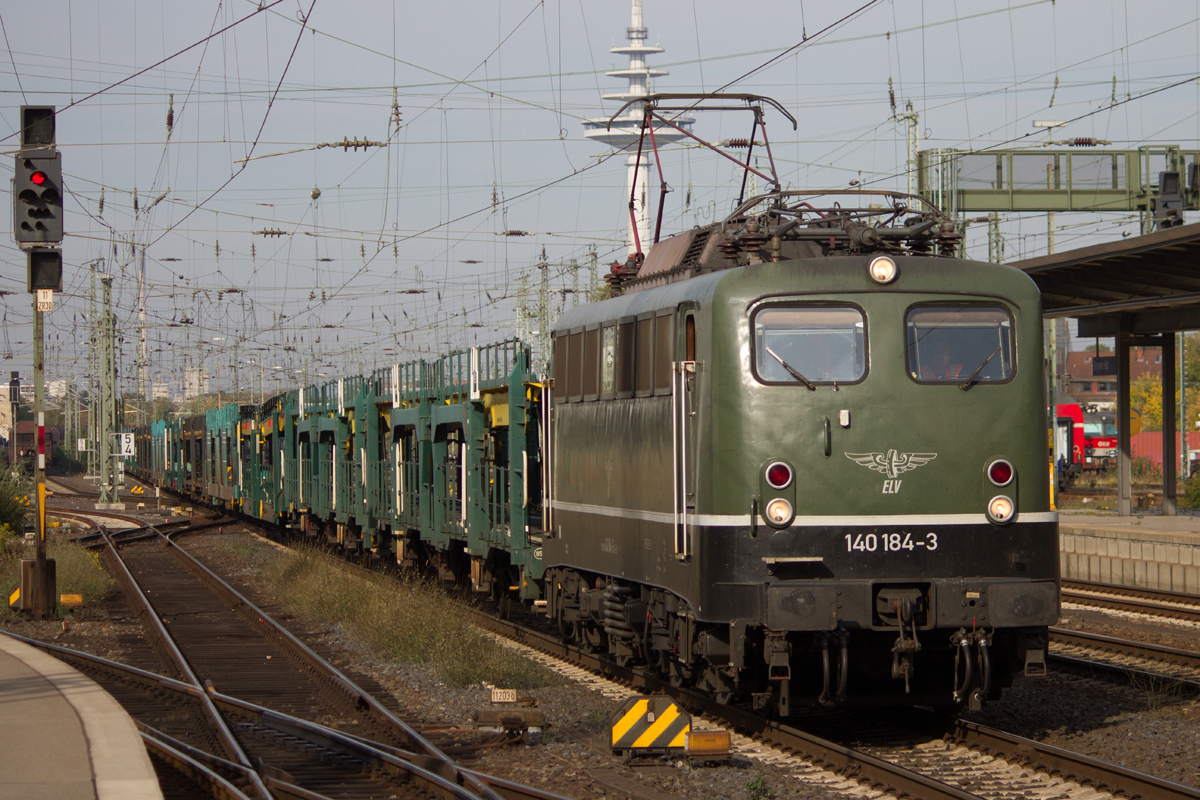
(1153, 728)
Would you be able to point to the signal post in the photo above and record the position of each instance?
(38, 230)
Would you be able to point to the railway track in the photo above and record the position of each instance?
(173, 703)
(1140, 660)
(954, 759)
(1133, 599)
(246, 703)
(950, 758)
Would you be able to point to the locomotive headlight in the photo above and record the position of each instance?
(779, 512)
(883, 270)
(1001, 509)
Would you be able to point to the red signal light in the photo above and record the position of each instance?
(779, 475)
(1000, 472)
(38, 178)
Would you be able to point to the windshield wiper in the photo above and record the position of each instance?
(971, 380)
(794, 372)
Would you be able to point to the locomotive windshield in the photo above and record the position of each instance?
(817, 344)
(1101, 426)
(957, 344)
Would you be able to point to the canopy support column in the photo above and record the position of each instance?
(1168, 426)
(1124, 461)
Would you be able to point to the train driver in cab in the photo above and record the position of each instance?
(940, 364)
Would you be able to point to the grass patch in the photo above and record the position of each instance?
(1158, 692)
(242, 550)
(77, 569)
(405, 620)
(757, 788)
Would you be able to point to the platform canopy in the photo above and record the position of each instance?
(1139, 290)
(1152, 281)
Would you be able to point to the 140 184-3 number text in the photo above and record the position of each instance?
(889, 542)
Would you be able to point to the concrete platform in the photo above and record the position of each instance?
(62, 737)
(1151, 551)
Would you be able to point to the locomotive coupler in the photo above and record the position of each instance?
(905, 648)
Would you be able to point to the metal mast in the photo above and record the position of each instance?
(70, 417)
(142, 360)
(93, 382)
(523, 307)
(543, 316)
(594, 279)
(108, 402)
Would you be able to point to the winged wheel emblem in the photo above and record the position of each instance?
(892, 463)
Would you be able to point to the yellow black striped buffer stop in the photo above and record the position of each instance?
(652, 724)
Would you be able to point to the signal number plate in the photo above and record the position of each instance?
(889, 542)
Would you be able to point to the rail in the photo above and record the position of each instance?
(1155, 602)
(862, 766)
(375, 754)
(1188, 659)
(165, 644)
(304, 654)
(427, 757)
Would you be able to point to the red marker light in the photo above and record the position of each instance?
(1000, 472)
(779, 475)
(38, 178)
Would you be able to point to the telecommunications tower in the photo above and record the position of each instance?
(626, 129)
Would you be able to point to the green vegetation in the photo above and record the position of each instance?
(404, 620)
(1189, 493)
(1143, 470)
(1159, 693)
(757, 788)
(77, 570)
(15, 489)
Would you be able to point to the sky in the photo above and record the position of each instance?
(188, 134)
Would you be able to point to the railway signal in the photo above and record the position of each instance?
(37, 197)
(37, 180)
(38, 220)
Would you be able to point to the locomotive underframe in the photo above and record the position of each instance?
(909, 657)
(797, 616)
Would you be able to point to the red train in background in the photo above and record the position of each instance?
(1087, 441)
(1100, 439)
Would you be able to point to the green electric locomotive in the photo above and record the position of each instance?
(801, 459)
(797, 458)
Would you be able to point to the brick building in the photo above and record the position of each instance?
(23, 442)
(1092, 378)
